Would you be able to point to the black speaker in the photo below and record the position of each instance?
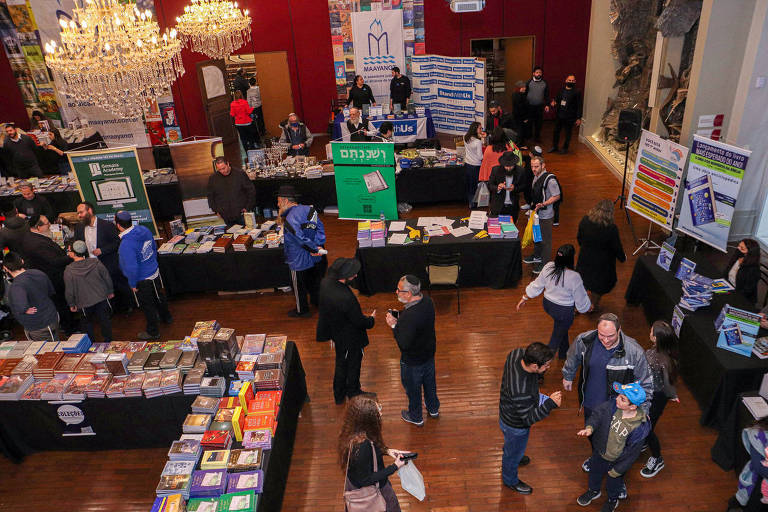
(630, 125)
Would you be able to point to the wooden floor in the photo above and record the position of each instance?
(460, 453)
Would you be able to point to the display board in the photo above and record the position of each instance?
(378, 37)
(365, 179)
(715, 173)
(453, 88)
(655, 183)
(111, 180)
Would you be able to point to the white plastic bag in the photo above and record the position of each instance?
(412, 481)
(482, 195)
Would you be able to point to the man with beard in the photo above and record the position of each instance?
(537, 98)
(567, 105)
(521, 405)
(503, 183)
(342, 321)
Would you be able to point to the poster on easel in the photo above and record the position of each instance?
(365, 179)
(111, 180)
(656, 178)
(715, 173)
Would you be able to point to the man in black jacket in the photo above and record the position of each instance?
(23, 153)
(13, 231)
(497, 117)
(342, 321)
(414, 330)
(399, 89)
(567, 105)
(240, 83)
(521, 405)
(503, 184)
(230, 192)
(30, 204)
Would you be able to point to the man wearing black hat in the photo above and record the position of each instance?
(342, 321)
(303, 240)
(503, 183)
(230, 192)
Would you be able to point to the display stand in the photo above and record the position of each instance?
(646, 242)
(622, 198)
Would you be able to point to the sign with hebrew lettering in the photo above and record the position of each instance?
(378, 38)
(365, 179)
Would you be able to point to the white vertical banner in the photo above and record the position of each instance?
(378, 43)
(453, 88)
(114, 130)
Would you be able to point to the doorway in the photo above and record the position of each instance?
(508, 59)
(274, 80)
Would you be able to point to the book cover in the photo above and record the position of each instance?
(701, 200)
(685, 268)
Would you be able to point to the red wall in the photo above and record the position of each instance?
(560, 28)
(12, 108)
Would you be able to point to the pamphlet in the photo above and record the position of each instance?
(756, 405)
(397, 239)
(461, 231)
(686, 267)
(666, 254)
(760, 348)
(721, 286)
(677, 320)
(397, 225)
(738, 330)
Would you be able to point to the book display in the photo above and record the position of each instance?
(218, 239)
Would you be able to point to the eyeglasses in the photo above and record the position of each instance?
(401, 291)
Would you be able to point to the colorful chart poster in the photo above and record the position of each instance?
(365, 179)
(656, 178)
(715, 173)
(111, 180)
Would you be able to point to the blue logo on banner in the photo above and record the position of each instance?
(420, 75)
(444, 68)
(438, 59)
(405, 127)
(420, 90)
(429, 97)
(437, 74)
(452, 76)
(455, 95)
(428, 82)
(427, 67)
(463, 69)
(378, 45)
(453, 61)
(444, 82)
(468, 85)
(469, 77)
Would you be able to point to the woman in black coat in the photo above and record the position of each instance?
(600, 247)
(743, 271)
(360, 93)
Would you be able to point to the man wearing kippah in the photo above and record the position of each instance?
(88, 289)
(138, 261)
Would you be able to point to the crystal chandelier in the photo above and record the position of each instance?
(113, 55)
(214, 27)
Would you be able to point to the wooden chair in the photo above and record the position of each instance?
(443, 269)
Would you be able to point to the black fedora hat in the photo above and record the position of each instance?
(287, 191)
(508, 159)
(344, 268)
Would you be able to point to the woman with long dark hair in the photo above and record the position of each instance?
(743, 271)
(360, 93)
(600, 247)
(497, 145)
(563, 291)
(663, 361)
(473, 158)
(359, 442)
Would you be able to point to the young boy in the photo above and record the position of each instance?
(617, 429)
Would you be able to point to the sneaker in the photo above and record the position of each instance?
(555, 223)
(623, 493)
(652, 467)
(524, 461)
(435, 414)
(610, 506)
(587, 498)
(145, 336)
(530, 260)
(537, 269)
(406, 418)
(644, 448)
(526, 206)
(521, 487)
(585, 465)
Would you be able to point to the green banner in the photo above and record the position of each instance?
(363, 153)
(111, 180)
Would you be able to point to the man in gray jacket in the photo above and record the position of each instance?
(606, 355)
(88, 289)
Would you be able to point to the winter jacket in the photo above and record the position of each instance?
(32, 289)
(87, 282)
(568, 104)
(340, 317)
(499, 175)
(44, 254)
(599, 248)
(241, 111)
(229, 195)
(627, 364)
(12, 233)
(746, 278)
(600, 421)
(303, 135)
(303, 234)
(138, 255)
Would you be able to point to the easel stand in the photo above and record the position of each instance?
(622, 199)
(649, 244)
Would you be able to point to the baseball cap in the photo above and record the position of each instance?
(633, 391)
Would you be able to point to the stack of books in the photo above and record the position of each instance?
(259, 422)
(216, 440)
(378, 233)
(246, 481)
(212, 386)
(187, 361)
(272, 240)
(25, 367)
(193, 380)
(117, 364)
(508, 228)
(202, 505)
(98, 386)
(55, 388)
(214, 459)
(133, 385)
(77, 343)
(253, 344)
(246, 366)
(196, 423)
(170, 382)
(153, 361)
(243, 501)
(205, 405)
(76, 389)
(697, 292)
(35, 391)
(186, 450)
(67, 363)
(268, 379)
(226, 343)
(477, 219)
(275, 344)
(245, 459)
(176, 478)
(152, 382)
(170, 503)
(364, 233)
(242, 243)
(260, 438)
(14, 387)
(116, 388)
(270, 361)
(494, 228)
(208, 483)
(223, 244)
(137, 361)
(170, 359)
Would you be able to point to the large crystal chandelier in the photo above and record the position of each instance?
(114, 56)
(214, 27)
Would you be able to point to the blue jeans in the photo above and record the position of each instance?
(563, 317)
(515, 441)
(414, 377)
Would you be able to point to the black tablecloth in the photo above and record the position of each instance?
(165, 200)
(431, 185)
(728, 451)
(319, 192)
(484, 262)
(124, 423)
(230, 271)
(715, 376)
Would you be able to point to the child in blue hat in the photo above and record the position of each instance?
(618, 428)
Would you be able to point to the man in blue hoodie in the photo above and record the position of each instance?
(303, 240)
(138, 261)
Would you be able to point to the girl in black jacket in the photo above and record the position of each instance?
(743, 271)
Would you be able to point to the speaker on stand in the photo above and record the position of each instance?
(629, 129)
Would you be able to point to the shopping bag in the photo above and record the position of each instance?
(528, 233)
(412, 481)
(536, 228)
(482, 196)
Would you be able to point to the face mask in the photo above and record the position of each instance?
(295, 125)
(570, 85)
